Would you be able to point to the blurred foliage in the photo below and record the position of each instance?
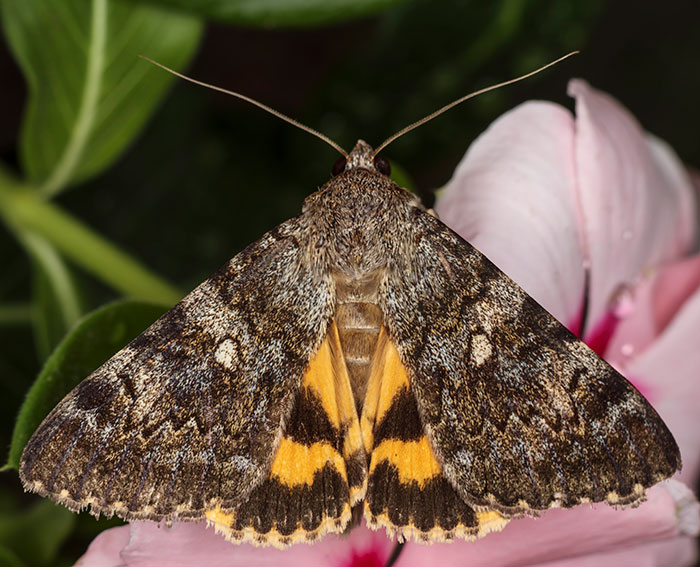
(165, 189)
(34, 535)
(88, 96)
(270, 13)
(55, 299)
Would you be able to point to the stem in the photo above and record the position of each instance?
(25, 210)
(52, 263)
(15, 314)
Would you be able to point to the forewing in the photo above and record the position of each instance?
(521, 414)
(188, 416)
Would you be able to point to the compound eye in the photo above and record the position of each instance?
(339, 165)
(382, 166)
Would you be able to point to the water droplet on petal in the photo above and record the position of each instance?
(627, 234)
(627, 349)
(622, 303)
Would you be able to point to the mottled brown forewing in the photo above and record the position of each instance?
(521, 413)
(187, 417)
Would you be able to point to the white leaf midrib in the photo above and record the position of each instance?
(87, 113)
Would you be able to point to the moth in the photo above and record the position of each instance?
(359, 360)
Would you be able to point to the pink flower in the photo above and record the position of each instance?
(552, 200)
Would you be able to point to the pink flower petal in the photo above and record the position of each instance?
(677, 552)
(669, 367)
(695, 179)
(636, 328)
(598, 337)
(105, 548)
(147, 544)
(513, 197)
(636, 197)
(678, 182)
(560, 535)
(674, 285)
(649, 309)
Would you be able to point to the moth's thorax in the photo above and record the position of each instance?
(357, 221)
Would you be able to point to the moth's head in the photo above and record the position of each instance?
(362, 156)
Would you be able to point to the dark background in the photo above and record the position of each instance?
(210, 174)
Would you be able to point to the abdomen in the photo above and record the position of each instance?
(359, 320)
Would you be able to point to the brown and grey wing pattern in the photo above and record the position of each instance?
(407, 492)
(318, 472)
(188, 416)
(520, 413)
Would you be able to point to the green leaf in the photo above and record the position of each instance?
(8, 558)
(34, 536)
(89, 93)
(271, 13)
(56, 303)
(401, 177)
(91, 342)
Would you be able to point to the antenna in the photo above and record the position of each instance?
(447, 107)
(254, 102)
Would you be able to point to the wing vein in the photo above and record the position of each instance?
(65, 455)
(107, 434)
